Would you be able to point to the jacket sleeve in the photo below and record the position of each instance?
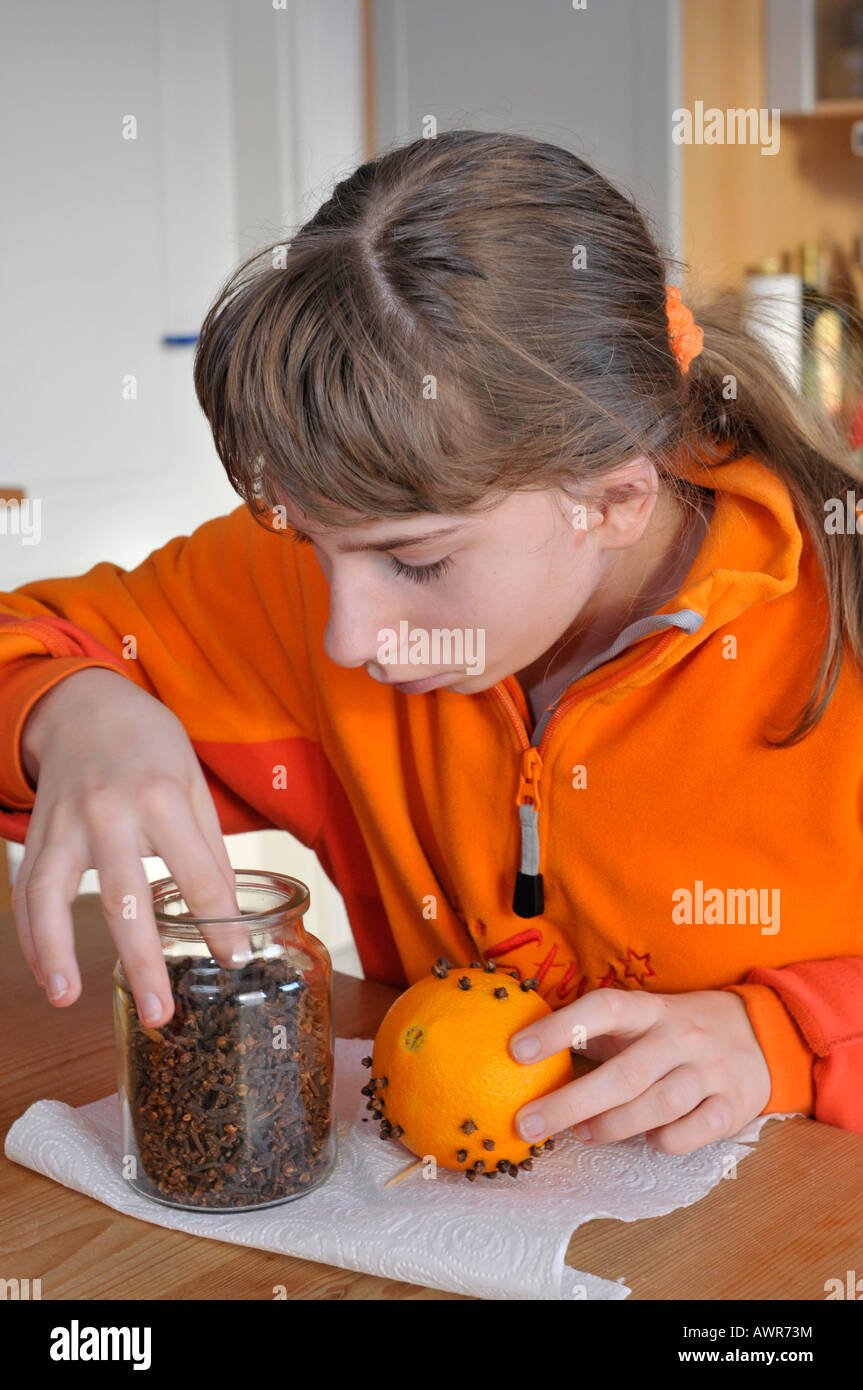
(212, 624)
(808, 1019)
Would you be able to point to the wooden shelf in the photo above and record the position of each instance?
(740, 205)
(837, 107)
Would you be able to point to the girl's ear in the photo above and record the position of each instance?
(626, 499)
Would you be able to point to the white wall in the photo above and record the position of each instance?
(601, 81)
(245, 116)
(90, 245)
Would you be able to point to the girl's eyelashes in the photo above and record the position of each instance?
(421, 574)
(418, 574)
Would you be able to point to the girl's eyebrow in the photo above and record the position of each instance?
(394, 542)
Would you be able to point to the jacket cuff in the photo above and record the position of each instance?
(22, 682)
(788, 1055)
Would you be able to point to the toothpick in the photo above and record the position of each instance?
(397, 1177)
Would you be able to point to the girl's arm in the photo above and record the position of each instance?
(211, 624)
(811, 1033)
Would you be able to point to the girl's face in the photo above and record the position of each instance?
(461, 602)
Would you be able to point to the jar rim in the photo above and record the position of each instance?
(294, 891)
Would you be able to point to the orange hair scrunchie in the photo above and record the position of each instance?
(685, 337)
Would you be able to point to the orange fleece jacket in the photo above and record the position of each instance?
(649, 789)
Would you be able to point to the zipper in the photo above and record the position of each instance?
(528, 896)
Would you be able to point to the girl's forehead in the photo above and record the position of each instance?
(359, 526)
(305, 520)
(357, 522)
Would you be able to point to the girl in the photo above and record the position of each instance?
(530, 625)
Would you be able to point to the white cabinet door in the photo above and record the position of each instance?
(601, 79)
(137, 172)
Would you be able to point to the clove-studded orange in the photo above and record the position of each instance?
(443, 1080)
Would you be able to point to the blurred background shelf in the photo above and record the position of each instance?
(739, 205)
(814, 56)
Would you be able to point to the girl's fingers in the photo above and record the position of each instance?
(610, 1013)
(33, 846)
(127, 900)
(50, 887)
(203, 874)
(188, 839)
(711, 1120)
(128, 910)
(22, 921)
(677, 1093)
(602, 1097)
(208, 820)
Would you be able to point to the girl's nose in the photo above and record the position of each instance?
(351, 638)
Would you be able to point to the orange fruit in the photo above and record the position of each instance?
(443, 1080)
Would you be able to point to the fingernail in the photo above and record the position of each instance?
(57, 986)
(532, 1125)
(151, 1007)
(582, 1131)
(241, 956)
(526, 1047)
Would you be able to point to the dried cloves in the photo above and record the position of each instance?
(226, 1119)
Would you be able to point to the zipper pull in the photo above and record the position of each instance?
(528, 899)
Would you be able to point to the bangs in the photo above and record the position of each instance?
(321, 392)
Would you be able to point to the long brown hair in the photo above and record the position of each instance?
(479, 313)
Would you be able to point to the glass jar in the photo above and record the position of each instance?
(229, 1105)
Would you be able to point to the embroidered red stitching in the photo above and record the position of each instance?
(609, 979)
(512, 943)
(633, 974)
(562, 986)
(541, 967)
(545, 965)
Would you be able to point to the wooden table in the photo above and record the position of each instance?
(792, 1218)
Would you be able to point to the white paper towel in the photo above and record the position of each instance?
(498, 1240)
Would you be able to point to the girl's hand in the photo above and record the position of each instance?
(684, 1069)
(116, 779)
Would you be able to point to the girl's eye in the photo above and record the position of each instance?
(421, 574)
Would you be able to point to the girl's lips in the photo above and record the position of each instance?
(417, 687)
